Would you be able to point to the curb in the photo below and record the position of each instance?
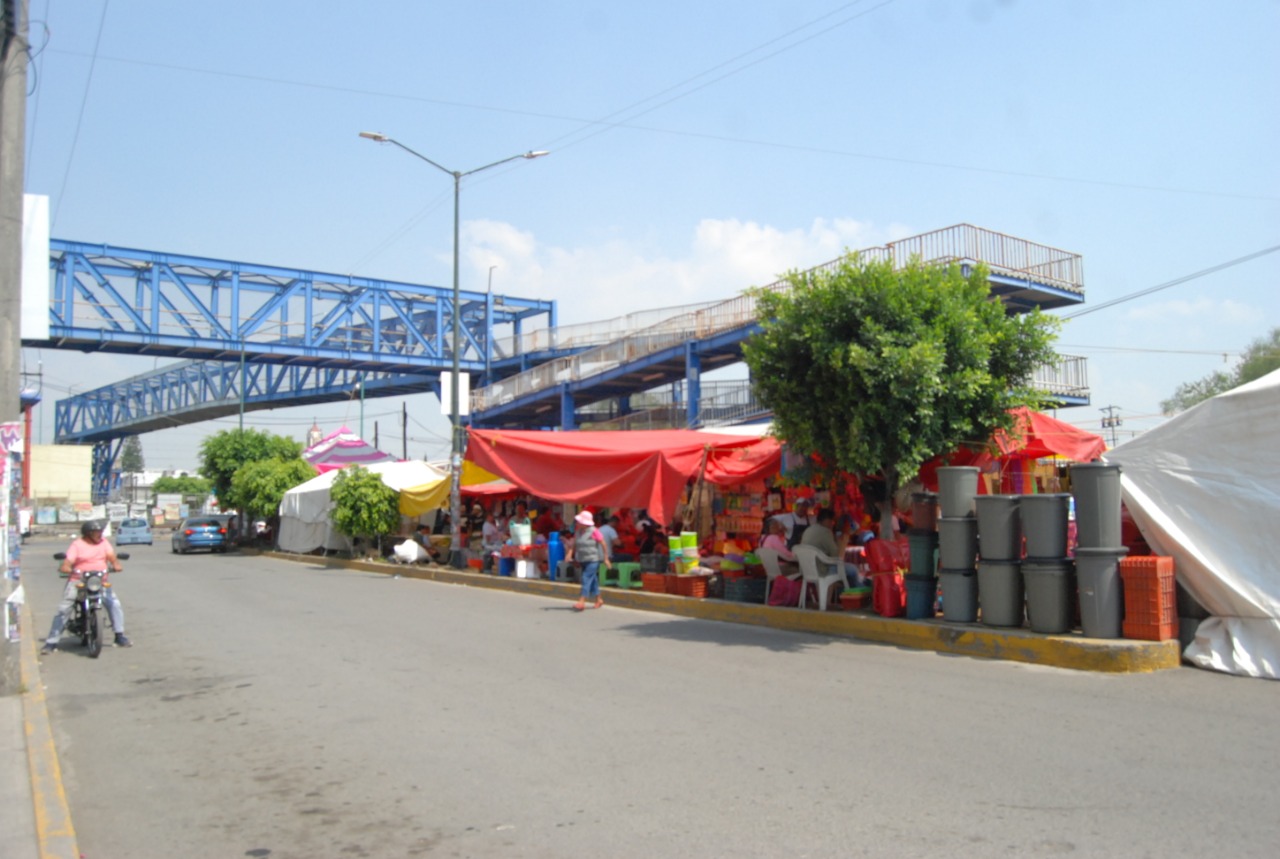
(55, 835)
(1122, 656)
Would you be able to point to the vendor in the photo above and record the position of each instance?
(796, 521)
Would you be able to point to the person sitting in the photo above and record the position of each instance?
(821, 537)
(776, 539)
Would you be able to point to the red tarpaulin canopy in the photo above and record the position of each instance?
(641, 468)
(1034, 435)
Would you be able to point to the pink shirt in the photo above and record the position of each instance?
(84, 555)
(775, 541)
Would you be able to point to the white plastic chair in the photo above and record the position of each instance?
(813, 574)
(772, 568)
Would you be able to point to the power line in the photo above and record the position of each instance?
(1176, 281)
(84, 100)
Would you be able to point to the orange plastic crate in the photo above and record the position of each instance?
(654, 582)
(690, 586)
(1150, 598)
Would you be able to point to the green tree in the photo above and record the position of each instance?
(1260, 357)
(222, 455)
(131, 460)
(181, 486)
(364, 506)
(876, 370)
(258, 487)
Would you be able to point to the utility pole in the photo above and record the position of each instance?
(1111, 421)
(13, 131)
(404, 431)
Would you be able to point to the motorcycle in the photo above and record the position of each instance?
(86, 612)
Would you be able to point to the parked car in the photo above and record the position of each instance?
(200, 532)
(133, 532)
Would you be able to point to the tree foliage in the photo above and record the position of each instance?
(258, 487)
(223, 454)
(131, 461)
(877, 370)
(181, 486)
(364, 506)
(1261, 357)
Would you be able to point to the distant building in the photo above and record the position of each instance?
(314, 436)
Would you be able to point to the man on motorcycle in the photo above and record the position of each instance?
(89, 552)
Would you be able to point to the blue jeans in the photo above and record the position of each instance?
(591, 579)
(114, 609)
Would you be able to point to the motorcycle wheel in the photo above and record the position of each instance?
(93, 634)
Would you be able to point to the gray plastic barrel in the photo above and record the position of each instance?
(1044, 524)
(999, 528)
(1049, 598)
(957, 486)
(959, 595)
(1101, 591)
(1000, 584)
(924, 546)
(1096, 488)
(957, 542)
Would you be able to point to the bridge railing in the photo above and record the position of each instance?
(1000, 252)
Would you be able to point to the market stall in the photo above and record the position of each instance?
(342, 448)
(642, 469)
(304, 511)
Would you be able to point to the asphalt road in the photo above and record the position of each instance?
(274, 709)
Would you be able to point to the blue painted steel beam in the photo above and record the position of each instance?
(193, 391)
(144, 302)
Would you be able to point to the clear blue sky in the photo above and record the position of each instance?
(697, 149)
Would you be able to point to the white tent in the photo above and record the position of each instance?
(1204, 488)
(304, 511)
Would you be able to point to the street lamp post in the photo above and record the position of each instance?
(455, 457)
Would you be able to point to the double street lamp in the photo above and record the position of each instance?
(455, 457)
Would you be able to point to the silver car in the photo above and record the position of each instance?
(133, 532)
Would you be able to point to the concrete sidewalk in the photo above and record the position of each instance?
(35, 820)
(967, 639)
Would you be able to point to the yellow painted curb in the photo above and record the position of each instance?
(55, 836)
(1018, 645)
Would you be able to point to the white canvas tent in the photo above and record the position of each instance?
(1204, 488)
(304, 511)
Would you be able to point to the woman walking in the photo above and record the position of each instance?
(589, 551)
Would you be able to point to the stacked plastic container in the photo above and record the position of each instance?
(1047, 571)
(1096, 489)
(1000, 560)
(958, 542)
(922, 581)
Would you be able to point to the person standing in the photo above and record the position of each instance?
(589, 551)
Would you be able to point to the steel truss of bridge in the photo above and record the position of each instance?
(267, 337)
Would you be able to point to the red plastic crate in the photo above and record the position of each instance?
(1150, 599)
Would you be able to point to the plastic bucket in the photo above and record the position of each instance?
(924, 511)
(957, 486)
(957, 542)
(1049, 603)
(1000, 583)
(999, 528)
(1101, 591)
(922, 545)
(1096, 488)
(1044, 524)
(959, 595)
(922, 592)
